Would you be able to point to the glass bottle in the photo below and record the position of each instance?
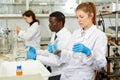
(19, 70)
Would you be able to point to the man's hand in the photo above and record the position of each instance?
(57, 52)
(52, 47)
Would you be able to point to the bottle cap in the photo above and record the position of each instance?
(19, 67)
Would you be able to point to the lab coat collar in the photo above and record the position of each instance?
(89, 31)
(61, 32)
(32, 23)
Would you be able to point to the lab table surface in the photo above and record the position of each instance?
(32, 70)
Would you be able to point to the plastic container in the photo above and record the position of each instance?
(19, 71)
(77, 57)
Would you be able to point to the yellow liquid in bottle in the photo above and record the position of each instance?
(19, 71)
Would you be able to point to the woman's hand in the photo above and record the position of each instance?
(78, 47)
(17, 28)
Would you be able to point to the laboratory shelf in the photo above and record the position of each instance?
(110, 14)
(15, 8)
(38, 15)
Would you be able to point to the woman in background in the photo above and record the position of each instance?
(32, 35)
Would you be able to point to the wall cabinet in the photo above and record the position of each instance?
(14, 8)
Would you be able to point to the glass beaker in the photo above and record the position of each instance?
(4, 43)
(77, 56)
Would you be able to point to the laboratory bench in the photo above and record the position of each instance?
(32, 69)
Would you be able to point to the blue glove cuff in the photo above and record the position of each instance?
(88, 52)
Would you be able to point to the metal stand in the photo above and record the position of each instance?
(115, 59)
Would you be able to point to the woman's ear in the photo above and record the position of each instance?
(91, 15)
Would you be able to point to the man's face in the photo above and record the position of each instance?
(53, 24)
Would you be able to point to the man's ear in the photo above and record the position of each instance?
(60, 23)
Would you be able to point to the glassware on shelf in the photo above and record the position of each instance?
(17, 1)
(38, 6)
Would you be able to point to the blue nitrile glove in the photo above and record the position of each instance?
(55, 46)
(81, 48)
(52, 47)
(31, 53)
(50, 50)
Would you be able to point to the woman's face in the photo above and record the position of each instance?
(28, 19)
(84, 20)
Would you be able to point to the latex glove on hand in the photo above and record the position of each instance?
(81, 48)
(50, 50)
(52, 47)
(31, 53)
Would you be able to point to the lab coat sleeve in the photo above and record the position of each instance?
(100, 52)
(66, 56)
(42, 52)
(30, 32)
(46, 58)
(66, 53)
(97, 60)
(50, 60)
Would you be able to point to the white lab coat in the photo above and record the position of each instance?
(83, 69)
(31, 36)
(63, 37)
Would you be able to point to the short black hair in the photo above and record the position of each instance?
(59, 16)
